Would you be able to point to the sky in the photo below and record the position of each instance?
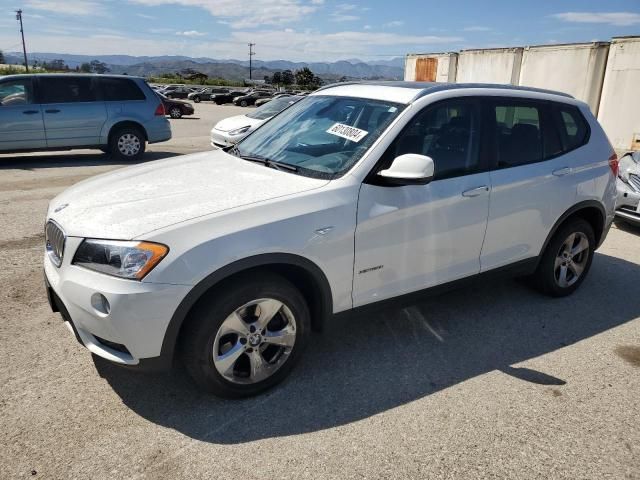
(307, 30)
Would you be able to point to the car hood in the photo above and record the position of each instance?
(134, 201)
(239, 121)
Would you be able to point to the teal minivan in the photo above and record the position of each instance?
(114, 113)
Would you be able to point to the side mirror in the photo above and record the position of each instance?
(409, 169)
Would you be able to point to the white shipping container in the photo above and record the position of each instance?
(494, 65)
(430, 67)
(619, 111)
(577, 69)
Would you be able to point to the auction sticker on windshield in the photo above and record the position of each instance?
(345, 131)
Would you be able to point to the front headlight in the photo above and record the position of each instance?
(239, 131)
(124, 259)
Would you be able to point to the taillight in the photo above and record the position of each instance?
(160, 111)
(613, 164)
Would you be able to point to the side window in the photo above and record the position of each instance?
(66, 89)
(120, 89)
(573, 127)
(448, 132)
(16, 92)
(518, 134)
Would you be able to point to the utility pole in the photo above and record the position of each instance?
(251, 54)
(24, 48)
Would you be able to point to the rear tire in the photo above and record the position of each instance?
(175, 112)
(127, 143)
(567, 259)
(274, 324)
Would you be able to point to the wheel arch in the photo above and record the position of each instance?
(126, 123)
(302, 272)
(590, 210)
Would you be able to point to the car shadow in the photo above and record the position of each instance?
(369, 364)
(92, 159)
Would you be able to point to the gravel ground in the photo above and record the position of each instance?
(488, 382)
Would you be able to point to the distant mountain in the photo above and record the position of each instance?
(231, 69)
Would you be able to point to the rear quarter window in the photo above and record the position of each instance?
(120, 89)
(574, 130)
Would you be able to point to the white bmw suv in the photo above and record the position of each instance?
(358, 194)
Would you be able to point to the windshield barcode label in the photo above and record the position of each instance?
(345, 131)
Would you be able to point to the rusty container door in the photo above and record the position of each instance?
(426, 69)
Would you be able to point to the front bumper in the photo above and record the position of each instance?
(628, 203)
(133, 331)
(222, 139)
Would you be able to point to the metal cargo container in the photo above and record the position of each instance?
(619, 111)
(492, 65)
(430, 67)
(576, 69)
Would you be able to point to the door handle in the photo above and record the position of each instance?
(474, 192)
(53, 110)
(30, 112)
(561, 172)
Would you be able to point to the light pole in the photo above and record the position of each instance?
(24, 48)
(251, 54)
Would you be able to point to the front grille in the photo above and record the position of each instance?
(55, 239)
(634, 181)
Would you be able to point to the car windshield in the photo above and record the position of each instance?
(322, 136)
(275, 106)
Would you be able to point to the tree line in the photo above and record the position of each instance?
(303, 78)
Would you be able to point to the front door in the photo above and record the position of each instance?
(73, 115)
(21, 124)
(413, 237)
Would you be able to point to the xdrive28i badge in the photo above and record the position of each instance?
(60, 207)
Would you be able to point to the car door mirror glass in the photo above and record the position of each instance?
(409, 169)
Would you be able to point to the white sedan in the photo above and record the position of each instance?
(231, 130)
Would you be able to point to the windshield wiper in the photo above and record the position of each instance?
(266, 162)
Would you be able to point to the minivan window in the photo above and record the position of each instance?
(448, 133)
(120, 89)
(66, 89)
(573, 127)
(16, 92)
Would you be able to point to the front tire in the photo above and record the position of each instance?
(243, 103)
(247, 336)
(127, 143)
(175, 112)
(196, 99)
(566, 260)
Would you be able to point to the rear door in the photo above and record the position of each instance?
(73, 115)
(532, 179)
(21, 124)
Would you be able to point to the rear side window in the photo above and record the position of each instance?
(66, 89)
(120, 89)
(573, 127)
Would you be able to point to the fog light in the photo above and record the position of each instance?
(100, 303)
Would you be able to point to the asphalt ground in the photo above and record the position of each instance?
(494, 381)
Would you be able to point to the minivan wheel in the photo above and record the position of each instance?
(127, 144)
(175, 112)
(567, 259)
(247, 336)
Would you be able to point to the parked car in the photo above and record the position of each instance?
(116, 114)
(250, 98)
(176, 108)
(179, 92)
(356, 195)
(628, 203)
(205, 93)
(233, 129)
(222, 98)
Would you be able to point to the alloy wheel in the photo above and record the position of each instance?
(571, 259)
(254, 341)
